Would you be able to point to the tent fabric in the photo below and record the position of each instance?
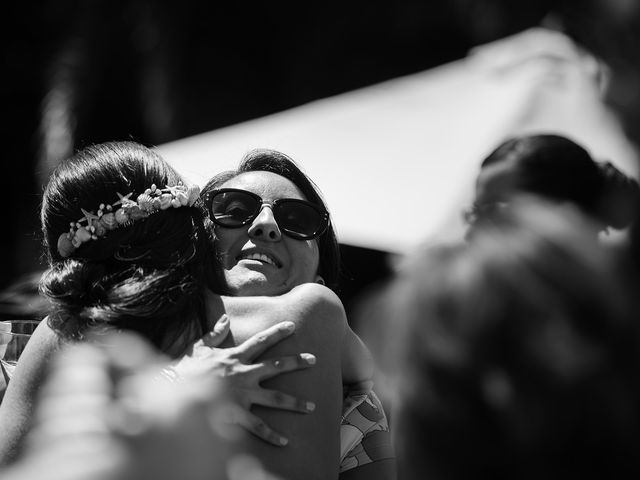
(397, 161)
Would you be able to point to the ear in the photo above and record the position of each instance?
(320, 280)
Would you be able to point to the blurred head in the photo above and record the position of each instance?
(514, 355)
(277, 247)
(142, 275)
(557, 169)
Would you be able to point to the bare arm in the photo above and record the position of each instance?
(313, 449)
(242, 375)
(358, 366)
(357, 362)
(16, 410)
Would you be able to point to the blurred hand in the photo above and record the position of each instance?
(242, 377)
(103, 414)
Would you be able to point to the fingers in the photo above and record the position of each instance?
(257, 427)
(282, 401)
(261, 341)
(276, 366)
(220, 331)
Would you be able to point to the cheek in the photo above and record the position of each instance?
(312, 256)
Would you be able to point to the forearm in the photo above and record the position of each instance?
(357, 361)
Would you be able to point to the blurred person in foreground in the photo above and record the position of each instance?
(107, 413)
(515, 355)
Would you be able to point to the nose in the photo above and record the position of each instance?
(264, 226)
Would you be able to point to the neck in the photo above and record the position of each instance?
(213, 307)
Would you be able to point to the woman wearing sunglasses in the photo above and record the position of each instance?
(273, 236)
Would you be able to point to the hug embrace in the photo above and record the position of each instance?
(234, 282)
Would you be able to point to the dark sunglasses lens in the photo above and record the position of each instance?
(233, 209)
(300, 219)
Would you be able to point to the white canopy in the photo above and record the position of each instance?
(397, 161)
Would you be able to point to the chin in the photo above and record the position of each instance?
(252, 288)
(255, 291)
(246, 282)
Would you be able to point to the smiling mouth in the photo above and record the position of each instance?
(261, 257)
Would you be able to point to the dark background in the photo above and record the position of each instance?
(86, 71)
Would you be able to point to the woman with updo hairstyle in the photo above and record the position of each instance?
(136, 278)
(558, 169)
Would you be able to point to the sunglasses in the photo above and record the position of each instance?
(299, 219)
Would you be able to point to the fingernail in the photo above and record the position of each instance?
(310, 406)
(307, 357)
(283, 441)
(289, 326)
(223, 318)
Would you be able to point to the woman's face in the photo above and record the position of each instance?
(258, 259)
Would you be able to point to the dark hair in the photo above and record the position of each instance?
(519, 354)
(559, 169)
(147, 276)
(280, 164)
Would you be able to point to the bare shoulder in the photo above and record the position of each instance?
(315, 299)
(19, 401)
(309, 303)
(313, 291)
(44, 337)
(41, 346)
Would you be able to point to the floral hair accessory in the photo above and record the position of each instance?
(96, 225)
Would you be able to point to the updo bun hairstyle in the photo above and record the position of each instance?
(147, 276)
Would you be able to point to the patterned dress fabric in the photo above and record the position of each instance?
(364, 431)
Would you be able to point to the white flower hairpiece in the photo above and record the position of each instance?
(96, 225)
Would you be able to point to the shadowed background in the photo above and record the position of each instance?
(81, 72)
